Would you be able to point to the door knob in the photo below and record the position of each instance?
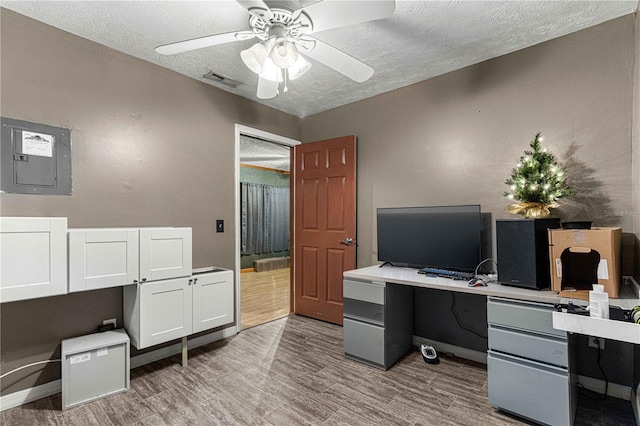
(347, 241)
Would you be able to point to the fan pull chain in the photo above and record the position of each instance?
(286, 89)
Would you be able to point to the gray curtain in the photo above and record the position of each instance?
(265, 218)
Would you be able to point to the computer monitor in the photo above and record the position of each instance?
(446, 237)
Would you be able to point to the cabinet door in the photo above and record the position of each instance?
(212, 300)
(165, 253)
(102, 258)
(33, 257)
(165, 311)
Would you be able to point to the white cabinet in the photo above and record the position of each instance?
(159, 311)
(164, 253)
(112, 257)
(212, 299)
(33, 257)
(156, 312)
(101, 258)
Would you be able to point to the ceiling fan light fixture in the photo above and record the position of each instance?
(298, 68)
(270, 71)
(284, 53)
(255, 57)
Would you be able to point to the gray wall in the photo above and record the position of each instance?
(149, 148)
(454, 139)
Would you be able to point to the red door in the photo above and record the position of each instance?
(324, 224)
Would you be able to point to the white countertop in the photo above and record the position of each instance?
(410, 276)
(629, 295)
(608, 329)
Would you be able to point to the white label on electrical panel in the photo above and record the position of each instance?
(603, 270)
(558, 267)
(39, 144)
(77, 359)
(102, 352)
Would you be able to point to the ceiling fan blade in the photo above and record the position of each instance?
(338, 60)
(201, 42)
(267, 89)
(329, 14)
(253, 4)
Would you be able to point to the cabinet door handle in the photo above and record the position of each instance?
(144, 279)
(190, 282)
(195, 280)
(135, 281)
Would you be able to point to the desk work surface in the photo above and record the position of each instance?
(410, 276)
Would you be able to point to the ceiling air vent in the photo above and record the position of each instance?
(221, 79)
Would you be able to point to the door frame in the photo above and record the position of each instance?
(270, 137)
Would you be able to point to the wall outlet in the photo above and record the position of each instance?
(110, 321)
(593, 342)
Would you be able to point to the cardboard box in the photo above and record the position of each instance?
(582, 257)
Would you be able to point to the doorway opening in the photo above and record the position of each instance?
(263, 211)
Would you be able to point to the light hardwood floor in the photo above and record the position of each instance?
(292, 371)
(264, 296)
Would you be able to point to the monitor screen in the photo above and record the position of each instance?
(446, 237)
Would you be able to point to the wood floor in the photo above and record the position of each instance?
(292, 372)
(265, 296)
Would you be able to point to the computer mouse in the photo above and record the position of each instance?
(477, 283)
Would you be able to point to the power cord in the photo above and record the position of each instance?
(29, 365)
(453, 304)
(606, 381)
(483, 280)
(483, 262)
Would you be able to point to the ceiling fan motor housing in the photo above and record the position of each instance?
(279, 23)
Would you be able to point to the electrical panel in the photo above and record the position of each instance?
(36, 158)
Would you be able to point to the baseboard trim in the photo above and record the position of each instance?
(614, 390)
(458, 351)
(25, 396)
(18, 398)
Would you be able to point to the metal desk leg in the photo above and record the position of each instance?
(184, 351)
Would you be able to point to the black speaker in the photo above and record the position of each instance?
(523, 252)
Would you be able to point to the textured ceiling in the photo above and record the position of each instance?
(421, 40)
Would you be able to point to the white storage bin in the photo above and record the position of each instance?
(94, 366)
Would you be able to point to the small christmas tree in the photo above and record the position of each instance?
(536, 182)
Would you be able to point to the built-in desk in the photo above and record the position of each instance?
(522, 323)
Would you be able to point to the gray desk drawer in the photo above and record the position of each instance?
(367, 292)
(364, 341)
(530, 316)
(537, 347)
(536, 391)
(363, 311)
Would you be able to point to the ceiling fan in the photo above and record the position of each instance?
(284, 32)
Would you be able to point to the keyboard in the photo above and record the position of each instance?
(454, 275)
